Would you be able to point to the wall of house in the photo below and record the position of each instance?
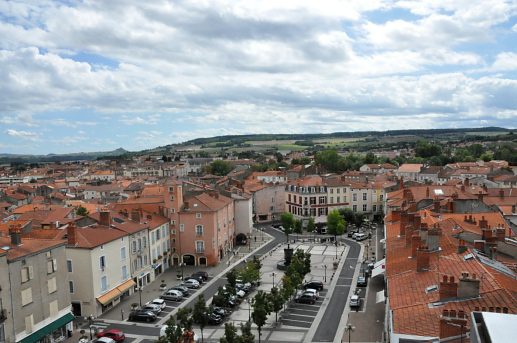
(243, 216)
(6, 327)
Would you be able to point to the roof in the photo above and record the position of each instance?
(29, 246)
(205, 202)
(410, 168)
(92, 237)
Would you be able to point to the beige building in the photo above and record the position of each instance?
(98, 266)
(34, 307)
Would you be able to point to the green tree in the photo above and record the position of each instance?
(173, 332)
(231, 277)
(220, 167)
(184, 318)
(335, 224)
(287, 223)
(328, 159)
(81, 211)
(261, 309)
(200, 314)
(297, 226)
(246, 335)
(311, 226)
(425, 149)
(250, 273)
(230, 334)
(288, 288)
(369, 158)
(277, 301)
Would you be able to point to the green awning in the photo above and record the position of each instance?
(36, 336)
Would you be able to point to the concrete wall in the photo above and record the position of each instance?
(243, 215)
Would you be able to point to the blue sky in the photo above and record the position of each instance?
(98, 75)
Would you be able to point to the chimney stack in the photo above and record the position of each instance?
(483, 223)
(436, 205)
(467, 182)
(415, 243)
(135, 215)
(501, 193)
(105, 217)
(423, 259)
(500, 233)
(453, 325)
(448, 288)
(15, 231)
(71, 234)
(427, 192)
(433, 237)
(479, 244)
(468, 286)
(462, 247)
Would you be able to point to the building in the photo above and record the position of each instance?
(307, 197)
(34, 305)
(409, 171)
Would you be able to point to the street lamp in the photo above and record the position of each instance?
(325, 266)
(249, 309)
(273, 275)
(140, 294)
(262, 233)
(349, 328)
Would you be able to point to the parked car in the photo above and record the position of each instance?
(172, 295)
(318, 285)
(360, 236)
(355, 301)
(306, 298)
(142, 316)
(191, 283)
(203, 274)
(116, 335)
(246, 287)
(184, 290)
(104, 340)
(196, 277)
(158, 302)
(152, 308)
(314, 292)
(221, 312)
(214, 319)
(361, 281)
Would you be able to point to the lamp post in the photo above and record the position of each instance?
(349, 328)
(249, 309)
(325, 267)
(273, 275)
(140, 295)
(262, 233)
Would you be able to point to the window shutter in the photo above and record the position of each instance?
(31, 273)
(54, 264)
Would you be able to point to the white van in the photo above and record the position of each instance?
(360, 236)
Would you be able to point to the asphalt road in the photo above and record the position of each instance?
(329, 323)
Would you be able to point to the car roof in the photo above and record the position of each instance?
(116, 331)
(158, 300)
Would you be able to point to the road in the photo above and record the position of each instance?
(329, 323)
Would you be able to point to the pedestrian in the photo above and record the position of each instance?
(255, 239)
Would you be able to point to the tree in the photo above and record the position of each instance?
(81, 211)
(246, 335)
(261, 309)
(200, 314)
(220, 167)
(328, 159)
(311, 226)
(335, 224)
(277, 301)
(230, 334)
(287, 223)
(173, 332)
(297, 226)
(231, 276)
(184, 318)
(250, 273)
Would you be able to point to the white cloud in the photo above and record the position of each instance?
(505, 61)
(21, 134)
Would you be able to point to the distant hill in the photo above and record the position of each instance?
(79, 156)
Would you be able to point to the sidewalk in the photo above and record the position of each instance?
(152, 290)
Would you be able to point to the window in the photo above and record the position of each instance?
(338, 200)
(139, 244)
(322, 200)
(144, 241)
(198, 215)
(182, 227)
(69, 266)
(134, 246)
(102, 262)
(123, 253)
(354, 208)
(124, 273)
(104, 283)
(27, 274)
(354, 197)
(26, 296)
(332, 191)
(381, 197)
(51, 266)
(313, 200)
(337, 190)
(374, 208)
(364, 207)
(71, 286)
(145, 260)
(200, 246)
(173, 232)
(294, 198)
(157, 233)
(29, 323)
(289, 197)
(52, 286)
(53, 308)
(364, 196)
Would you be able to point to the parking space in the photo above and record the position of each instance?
(302, 315)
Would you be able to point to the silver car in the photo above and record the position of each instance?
(172, 295)
(191, 283)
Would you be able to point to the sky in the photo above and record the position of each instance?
(96, 75)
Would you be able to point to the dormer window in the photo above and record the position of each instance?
(198, 215)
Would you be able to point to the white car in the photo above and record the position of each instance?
(159, 302)
(314, 292)
(197, 339)
(191, 283)
(104, 340)
(152, 307)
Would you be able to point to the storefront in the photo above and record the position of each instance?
(57, 331)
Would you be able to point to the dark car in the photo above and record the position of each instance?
(201, 273)
(214, 319)
(142, 316)
(313, 284)
(196, 277)
(219, 311)
(184, 290)
(362, 281)
(306, 298)
(116, 335)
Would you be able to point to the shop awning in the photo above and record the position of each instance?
(126, 285)
(379, 267)
(47, 330)
(106, 298)
(379, 297)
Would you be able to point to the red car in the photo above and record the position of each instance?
(117, 335)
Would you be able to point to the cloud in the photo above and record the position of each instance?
(505, 61)
(22, 134)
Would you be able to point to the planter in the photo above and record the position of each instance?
(178, 276)
(335, 264)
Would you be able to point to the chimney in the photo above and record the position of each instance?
(501, 193)
(483, 223)
(468, 286)
(105, 217)
(448, 288)
(480, 196)
(462, 247)
(436, 205)
(514, 209)
(186, 205)
(500, 233)
(423, 232)
(427, 192)
(71, 234)
(433, 237)
(135, 215)
(404, 220)
(415, 243)
(479, 244)
(417, 220)
(395, 215)
(423, 257)
(453, 325)
(15, 231)
(467, 182)
(450, 206)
